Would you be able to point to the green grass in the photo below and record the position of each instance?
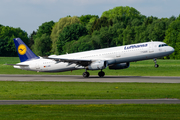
(141, 68)
(79, 90)
(90, 112)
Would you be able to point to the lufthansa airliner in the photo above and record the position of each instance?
(114, 58)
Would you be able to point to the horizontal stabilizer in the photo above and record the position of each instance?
(17, 65)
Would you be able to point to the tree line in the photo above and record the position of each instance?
(116, 27)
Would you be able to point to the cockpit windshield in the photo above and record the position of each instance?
(162, 45)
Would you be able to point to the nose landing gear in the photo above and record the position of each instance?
(156, 65)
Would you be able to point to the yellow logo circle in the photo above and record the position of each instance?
(22, 49)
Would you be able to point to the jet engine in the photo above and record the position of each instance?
(119, 66)
(98, 65)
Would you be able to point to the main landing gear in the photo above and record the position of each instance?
(156, 65)
(86, 74)
(101, 73)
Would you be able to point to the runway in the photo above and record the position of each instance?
(110, 79)
(78, 102)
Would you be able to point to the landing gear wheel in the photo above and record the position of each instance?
(86, 74)
(101, 74)
(156, 65)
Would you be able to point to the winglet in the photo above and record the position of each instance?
(23, 50)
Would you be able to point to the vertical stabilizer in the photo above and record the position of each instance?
(23, 50)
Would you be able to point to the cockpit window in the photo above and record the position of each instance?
(162, 45)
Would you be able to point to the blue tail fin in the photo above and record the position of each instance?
(23, 50)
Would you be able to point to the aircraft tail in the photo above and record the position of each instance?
(23, 50)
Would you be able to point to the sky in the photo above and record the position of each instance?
(30, 14)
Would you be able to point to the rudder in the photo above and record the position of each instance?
(23, 50)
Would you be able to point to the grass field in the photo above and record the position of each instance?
(90, 112)
(74, 90)
(141, 68)
(79, 90)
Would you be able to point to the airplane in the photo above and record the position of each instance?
(115, 58)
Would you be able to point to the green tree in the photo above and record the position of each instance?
(128, 36)
(172, 38)
(157, 30)
(119, 40)
(149, 20)
(83, 44)
(140, 33)
(115, 34)
(90, 24)
(7, 34)
(42, 45)
(31, 39)
(57, 29)
(71, 47)
(69, 33)
(121, 11)
(96, 42)
(136, 22)
(106, 37)
(86, 18)
(169, 21)
(44, 28)
(43, 33)
(4, 48)
(99, 23)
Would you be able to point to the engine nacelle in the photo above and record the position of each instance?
(120, 66)
(98, 65)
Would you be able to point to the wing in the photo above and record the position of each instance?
(81, 62)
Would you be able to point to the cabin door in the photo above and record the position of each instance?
(151, 50)
(37, 66)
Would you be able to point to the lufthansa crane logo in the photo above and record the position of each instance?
(22, 49)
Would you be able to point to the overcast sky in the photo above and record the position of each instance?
(30, 14)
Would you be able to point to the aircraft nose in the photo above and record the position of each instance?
(172, 49)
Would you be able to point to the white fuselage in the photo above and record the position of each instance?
(114, 55)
